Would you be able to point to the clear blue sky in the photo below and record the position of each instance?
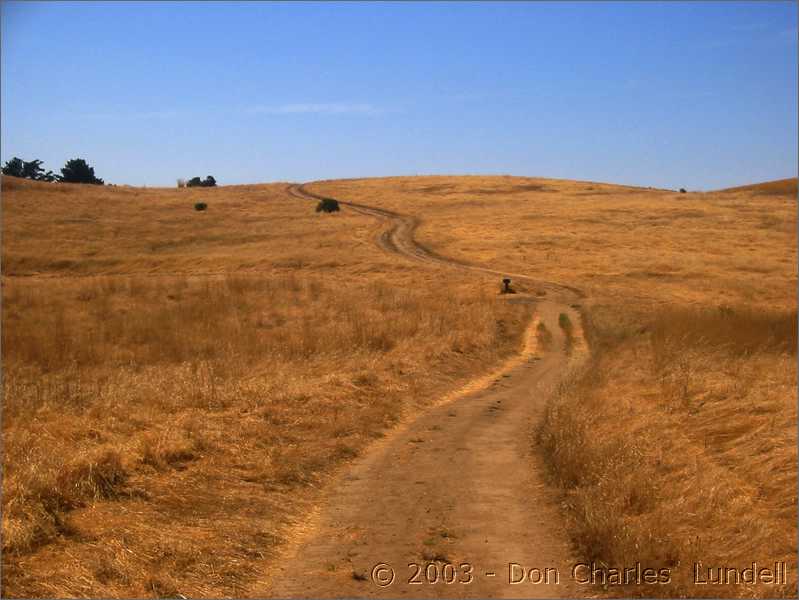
(697, 95)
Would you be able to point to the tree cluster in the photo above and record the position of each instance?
(16, 167)
(197, 182)
(76, 170)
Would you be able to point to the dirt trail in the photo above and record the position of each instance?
(458, 487)
(399, 239)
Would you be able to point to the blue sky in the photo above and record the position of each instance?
(696, 95)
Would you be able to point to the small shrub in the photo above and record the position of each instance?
(682, 191)
(327, 205)
(200, 206)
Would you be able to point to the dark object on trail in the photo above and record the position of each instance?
(200, 206)
(506, 288)
(682, 191)
(327, 205)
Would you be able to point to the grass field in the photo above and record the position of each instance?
(635, 247)
(677, 443)
(178, 384)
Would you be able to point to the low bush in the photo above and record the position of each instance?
(327, 205)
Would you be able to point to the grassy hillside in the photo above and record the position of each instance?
(177, 384)
(677, 443)
(630, 245)
(780, 187)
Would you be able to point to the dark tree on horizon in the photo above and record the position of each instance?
(16, 167)
(78, 170)
(33, 170)
(197, 182)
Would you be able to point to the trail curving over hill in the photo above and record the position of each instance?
(398, 238)
(450, 500)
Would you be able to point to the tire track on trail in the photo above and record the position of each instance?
(399, 238)
(448, 500)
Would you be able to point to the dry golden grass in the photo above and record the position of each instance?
(177, 384)
(677, 443)
(76, 230)
(623, 244)
(780, 187)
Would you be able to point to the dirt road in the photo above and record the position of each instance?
(452, 503)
